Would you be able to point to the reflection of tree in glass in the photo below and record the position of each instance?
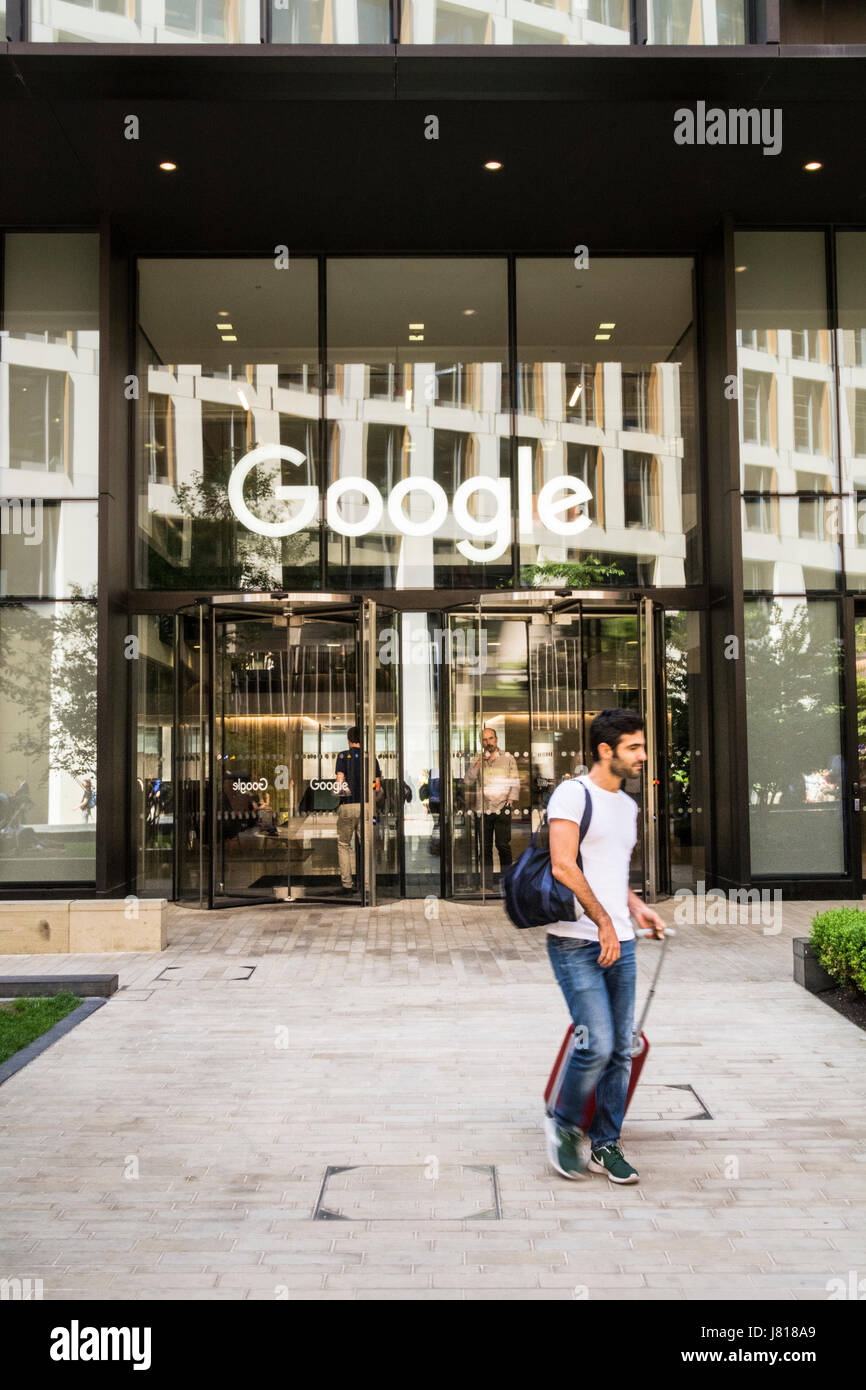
(588, 573)
(792, 699)
(676, 681)
(224, 552)
(49, 675)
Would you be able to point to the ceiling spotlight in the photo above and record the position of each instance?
(607, 325)
(740, 268)
(602, 337)
(416, 337)
(168, 166)
(467, 312)
(416, 326)
(229, 337)
(493, 164)
(224, 327)
(813, 166)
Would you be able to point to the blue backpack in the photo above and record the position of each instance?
(533, 897)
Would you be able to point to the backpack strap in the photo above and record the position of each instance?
(585, 820)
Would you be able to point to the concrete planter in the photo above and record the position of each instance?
(82, 926)
(808, 972)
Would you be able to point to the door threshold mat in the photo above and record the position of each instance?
(427, 1191)
(29, 1053)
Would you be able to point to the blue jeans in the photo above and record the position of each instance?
(601, 999)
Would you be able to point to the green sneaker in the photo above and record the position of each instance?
(567, 1149)
(608, 1159)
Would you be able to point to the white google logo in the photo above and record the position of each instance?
(250, 786)
(320, 785)
(549, 504)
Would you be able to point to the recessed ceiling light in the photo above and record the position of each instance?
(493, 164)
(416, 337)
(168, 166)
(470, 311)
(741, 268)
(813, 166)
(575, 393)
(222, 312)
(416, 326)
(223, 327)
(607, 325)
(230, 337)
(602, 337)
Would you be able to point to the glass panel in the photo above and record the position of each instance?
(132, 21)
(786, 413)
(490, 748)
(537, 21)
(606, 406)
(851, 349)
(49, 366)
(556, 694)
(325, 21)
(417, 391)
(191, 776)
(805, 22)
(793, 718)
(611, 679)
(48, 742)
(153, 756)
(228, 353)
(860, 666)
(424, 649)
(685, 684)
(47, 549)
(250, 737)
(696, 21)
(389, 797)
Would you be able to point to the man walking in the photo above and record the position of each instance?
(349, 810)
(593, 957)
(495, 776)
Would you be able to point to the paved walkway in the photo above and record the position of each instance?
(175, 1145)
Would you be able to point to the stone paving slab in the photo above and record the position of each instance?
(175, 1145)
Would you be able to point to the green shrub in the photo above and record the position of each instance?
(839, 941)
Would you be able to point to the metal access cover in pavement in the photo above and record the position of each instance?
(670, 1102)
(427, 1191)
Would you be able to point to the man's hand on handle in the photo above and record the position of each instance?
(647, 918)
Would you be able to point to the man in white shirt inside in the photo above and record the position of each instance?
(593, 957)
(496, 780)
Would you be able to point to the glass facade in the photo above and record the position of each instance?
(427, 474)
(429, 22)
(49, 408)
(606, 396)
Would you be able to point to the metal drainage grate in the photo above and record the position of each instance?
(671, 1102)
(427, 1191)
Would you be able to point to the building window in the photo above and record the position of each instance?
(810, 416)
(582, 463)
(696, 21)
(812, 510)
(860, 423)
(159, 445)
(40, 419)
(637, 403)
(640, 490)
(757, 398)
(809, 345)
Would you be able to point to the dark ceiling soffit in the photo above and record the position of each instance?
(283, 72)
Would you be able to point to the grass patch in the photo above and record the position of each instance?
(23, 1020)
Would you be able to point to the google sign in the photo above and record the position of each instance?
(557, 497)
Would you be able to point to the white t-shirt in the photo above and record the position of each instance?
(605, 853)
